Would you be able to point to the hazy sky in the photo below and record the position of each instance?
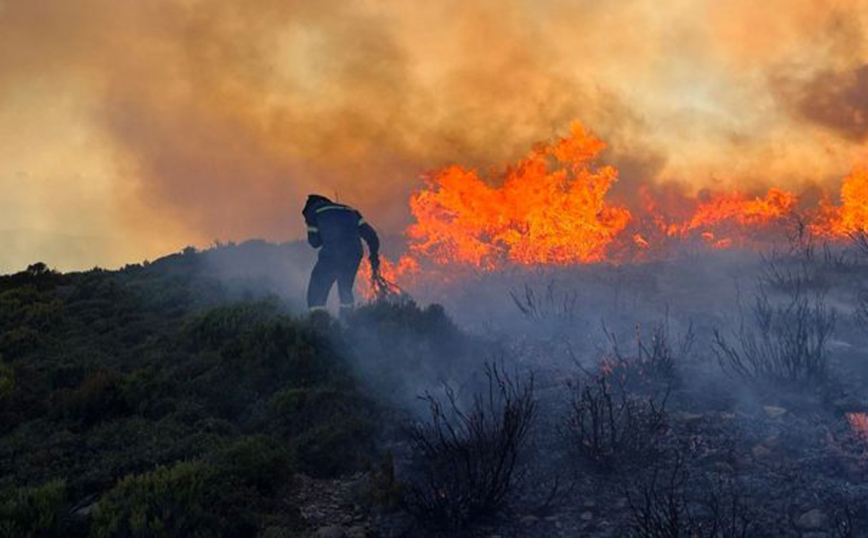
(131, 129)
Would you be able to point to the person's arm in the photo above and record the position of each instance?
(313, 237)
(370, 236)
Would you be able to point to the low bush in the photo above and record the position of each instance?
(37, 511)
(786, 345)
(664, 505)
(465, 460)
(612, 429)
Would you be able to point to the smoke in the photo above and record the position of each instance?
(837, 101)
(212, 120)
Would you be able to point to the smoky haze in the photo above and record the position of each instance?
(147, 126)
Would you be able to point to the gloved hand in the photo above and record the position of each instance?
(375, 264)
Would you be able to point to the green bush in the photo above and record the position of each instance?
(99, 397)
(258, 462)
(7, 382)
(342, 445)
(36, 511)
(168, 501)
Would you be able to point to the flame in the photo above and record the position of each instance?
(405, 270)
(852, 215)
(859, 425)
(737, 208)
(549, 209)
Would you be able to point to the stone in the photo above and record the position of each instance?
(587, 516)
(774, 411)
(529, 520)
(332, 531)
(813, 519)
(760, 452)
(357, 531)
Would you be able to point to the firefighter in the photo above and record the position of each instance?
(335, 229)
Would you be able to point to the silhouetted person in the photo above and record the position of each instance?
(336, 230)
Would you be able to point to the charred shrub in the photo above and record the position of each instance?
(666, 505)
(786, 345)
(654, 364)
(466, 460)
(611, 428)
(547, 305)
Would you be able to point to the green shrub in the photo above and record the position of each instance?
(36, 511)
(168, 501)
(99, 397)
(342, 445)
(258, 462)
(7, 382)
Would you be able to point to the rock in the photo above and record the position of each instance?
(813, 519)
(774, 412)
(723, 468)
(687, 417)
(587, 516)
(332, 531)
(357, 531)
(815, 535)
(529, 520)
(590, 503)
(760, 452)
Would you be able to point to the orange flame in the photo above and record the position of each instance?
(859, 425)
(852, 215)
(404, 270)
(549, 209)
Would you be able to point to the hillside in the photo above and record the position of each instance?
(159, 399)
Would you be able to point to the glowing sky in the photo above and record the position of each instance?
(131, 129)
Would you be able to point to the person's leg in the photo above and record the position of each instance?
(346, 279)
(321, 279)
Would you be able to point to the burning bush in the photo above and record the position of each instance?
(466, 460)
(613, 429)
(788, 343)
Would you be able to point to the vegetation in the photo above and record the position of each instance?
(149, 401)
(467, 456)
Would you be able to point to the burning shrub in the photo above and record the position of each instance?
(611, 429)
(787, 345)
(661, 507)
(466, 460)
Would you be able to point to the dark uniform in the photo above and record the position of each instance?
(336, 230)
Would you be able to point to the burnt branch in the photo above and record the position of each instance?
(466, 459)
(786, 344)
(665, 506)
(612, 429)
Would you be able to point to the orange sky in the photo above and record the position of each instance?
(131, 129)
